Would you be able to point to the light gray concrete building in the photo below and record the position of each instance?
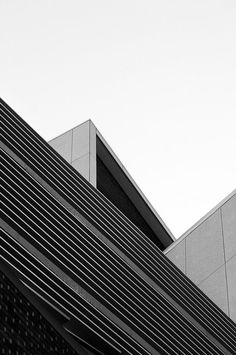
(206, 253)
(88, 152)
(78, 147)
(77, 276)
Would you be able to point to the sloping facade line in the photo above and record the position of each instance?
(71, 260)
(134, 301)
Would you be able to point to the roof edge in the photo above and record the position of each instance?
(136, 187)
(201, 220)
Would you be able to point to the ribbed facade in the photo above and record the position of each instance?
(25, 330)
(76, 251)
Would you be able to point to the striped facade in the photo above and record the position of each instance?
(98, 279)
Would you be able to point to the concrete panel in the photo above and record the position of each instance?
(177, 255)
(92, 139)
(80, 143)
(93, 170)
(215, 288)
(63, 145)
(229, 227)
(204, 249)
(82, 166)
(231, 279)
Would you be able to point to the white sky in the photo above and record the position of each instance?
(158, 79)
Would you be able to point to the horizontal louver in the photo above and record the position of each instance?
(53, 230)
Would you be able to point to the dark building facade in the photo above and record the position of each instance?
(78, 277)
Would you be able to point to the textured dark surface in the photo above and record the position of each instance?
(24, 331)
(152, 306)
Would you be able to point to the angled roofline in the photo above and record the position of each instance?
(135, 194)
(200, 221)
(105, 153)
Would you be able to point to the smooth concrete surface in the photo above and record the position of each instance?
(209, 257)
(82, 165)
(215, 287)
(62, 145)
(92, 169)
(231, 280)
(229, 227)
(204, 249)
(177, 255)
(80, 144)
(78, 147)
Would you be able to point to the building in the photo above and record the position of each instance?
(206, 253)
(87, 151)
(78, 276)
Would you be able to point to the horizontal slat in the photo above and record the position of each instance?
(49, 165)
(52, 287)
(126, 295)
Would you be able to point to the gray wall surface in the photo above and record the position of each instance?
(78, 147)
(207, 255)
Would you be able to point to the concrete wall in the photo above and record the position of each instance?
(78, 147)
(207, 255)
